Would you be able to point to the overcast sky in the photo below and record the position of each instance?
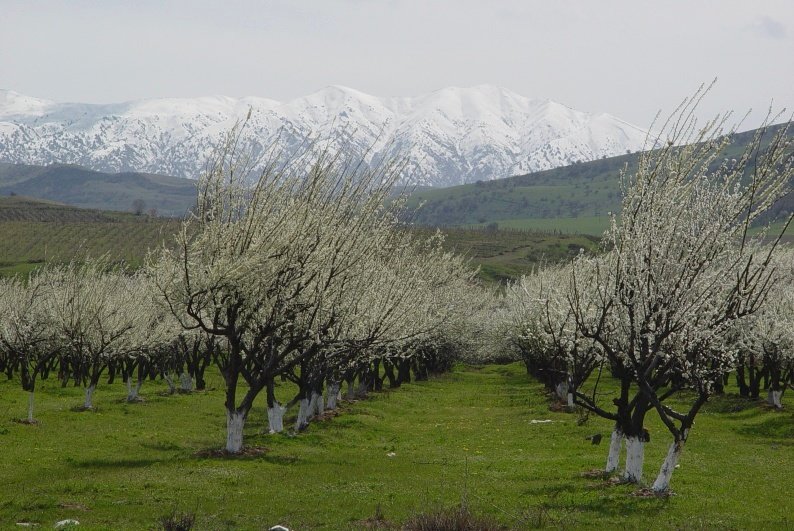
(629, 58)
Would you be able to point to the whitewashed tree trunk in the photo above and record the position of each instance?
(89, 397)
(235, 421)
(275, 418)
(635, 455)
(561, 390)
(133, 392)
(170, 382)
(30, 407)
(334, 394)
(774, 398)
(662, 483)
(570, 400)
(317, 404)
(615, 444)
(128, 383)
(303, 415)
(185, 383)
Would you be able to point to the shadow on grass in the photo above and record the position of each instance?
(114, 463)
(162, 446)
(781, 426)
(730, 403)
(614, 500)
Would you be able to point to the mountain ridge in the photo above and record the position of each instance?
(450, 136)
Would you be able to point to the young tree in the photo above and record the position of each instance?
(259, 264)
(27, 342)
(96, 312)
(681, 268)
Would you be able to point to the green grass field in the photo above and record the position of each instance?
(471, 434)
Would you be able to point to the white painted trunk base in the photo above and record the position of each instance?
(570, 400)
(303, 415)
(134, 392)
(561, 390)
(30, 407)
(662, 483)
(275, 418)
(316, 404)
(170, 382)
(185, 383)
(615, 444)
(635, 455)
(333, 395)
(774, 399)
(234, 431)
(89, 397)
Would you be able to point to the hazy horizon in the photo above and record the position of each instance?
(627, 59)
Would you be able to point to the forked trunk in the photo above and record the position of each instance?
(662, 483)
(635, 455)
(275, 417)
(235, 421)
(133, 392)
(615, 444)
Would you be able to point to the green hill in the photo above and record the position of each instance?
(572, 199)
(77, 186)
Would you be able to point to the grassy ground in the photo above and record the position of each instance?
(472, 434)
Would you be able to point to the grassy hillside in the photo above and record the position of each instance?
(34, 231)
(73, 185)
(485, 435)
(574, 199)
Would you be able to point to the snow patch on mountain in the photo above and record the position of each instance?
(451, 136)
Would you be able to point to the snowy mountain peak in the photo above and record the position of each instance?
(450, 136)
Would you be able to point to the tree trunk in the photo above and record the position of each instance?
(635, 455)
(561, 391)
(615, 443)
(235, 421)
(185, 383)
(774, 398)
(303, 415)
(31, 420)
(170, 382)
(316, 404)
(89, 397)
(275, 417)
(333, 395)
(662, 483)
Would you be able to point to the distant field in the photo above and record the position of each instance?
(590, 225)
(32, 232)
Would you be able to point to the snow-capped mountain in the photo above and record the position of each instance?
(451, 136)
